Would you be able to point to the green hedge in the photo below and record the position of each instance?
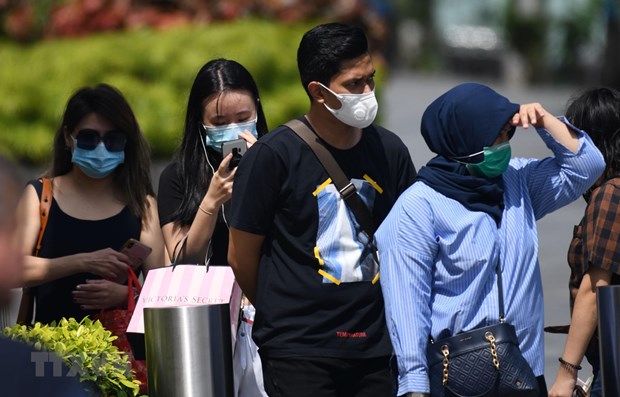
(154, 69)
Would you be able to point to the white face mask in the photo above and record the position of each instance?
(356, 110)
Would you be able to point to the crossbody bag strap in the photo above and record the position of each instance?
(500, 291)
(44, 210)
(345, 187)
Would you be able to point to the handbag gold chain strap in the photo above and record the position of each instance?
(446, 353)
(489, 336)
(446, 363)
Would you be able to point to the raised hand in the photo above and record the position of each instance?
(249, 138)
(220, 188)
(536, 115)
(530, 113)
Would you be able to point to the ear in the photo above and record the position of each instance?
(316, 91)
(67, 135)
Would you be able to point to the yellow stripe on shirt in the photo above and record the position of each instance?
(373, 183)
(322, 186)
(329, 277)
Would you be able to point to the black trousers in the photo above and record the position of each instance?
(327, 377)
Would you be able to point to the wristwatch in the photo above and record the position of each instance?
(412, 394)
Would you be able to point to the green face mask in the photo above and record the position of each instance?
(496, 159)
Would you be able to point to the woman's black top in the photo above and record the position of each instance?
(66, 235)
(169, 198)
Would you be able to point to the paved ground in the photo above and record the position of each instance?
(402, 103)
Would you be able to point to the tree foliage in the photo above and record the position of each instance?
(153, 69)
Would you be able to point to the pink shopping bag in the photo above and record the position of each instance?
(185, 285)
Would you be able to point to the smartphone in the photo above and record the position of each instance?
(136, 252)
(237, 148)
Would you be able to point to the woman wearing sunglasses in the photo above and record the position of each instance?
(195, 188)
(102, 196)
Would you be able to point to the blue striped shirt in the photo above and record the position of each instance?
(438, 258)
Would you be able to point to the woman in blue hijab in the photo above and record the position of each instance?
(474, 208)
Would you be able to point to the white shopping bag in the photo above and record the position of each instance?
(247, 367)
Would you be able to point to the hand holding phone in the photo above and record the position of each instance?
(237, 147)
(136, 252)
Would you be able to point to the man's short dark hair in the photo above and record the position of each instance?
(324, 48)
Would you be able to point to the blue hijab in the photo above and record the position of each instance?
(460, 123)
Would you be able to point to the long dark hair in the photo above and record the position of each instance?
(132, 179)
(214, 77)
(597, 112)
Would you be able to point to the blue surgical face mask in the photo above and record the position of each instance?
(215, 136)
(496, 159)
(97, 163)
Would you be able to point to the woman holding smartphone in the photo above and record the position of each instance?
(223, 107)
(101, 197)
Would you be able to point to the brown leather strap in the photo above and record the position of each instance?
(44, 209)
(26, 307)
(347, 190)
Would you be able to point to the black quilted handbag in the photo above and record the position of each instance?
(484, 362)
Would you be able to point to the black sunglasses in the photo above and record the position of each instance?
(88, 139)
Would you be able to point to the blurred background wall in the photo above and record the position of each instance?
(526, 41)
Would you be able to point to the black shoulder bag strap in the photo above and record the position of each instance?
(500, 292)
(347, 190)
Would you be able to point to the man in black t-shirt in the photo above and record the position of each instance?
(297, 250)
